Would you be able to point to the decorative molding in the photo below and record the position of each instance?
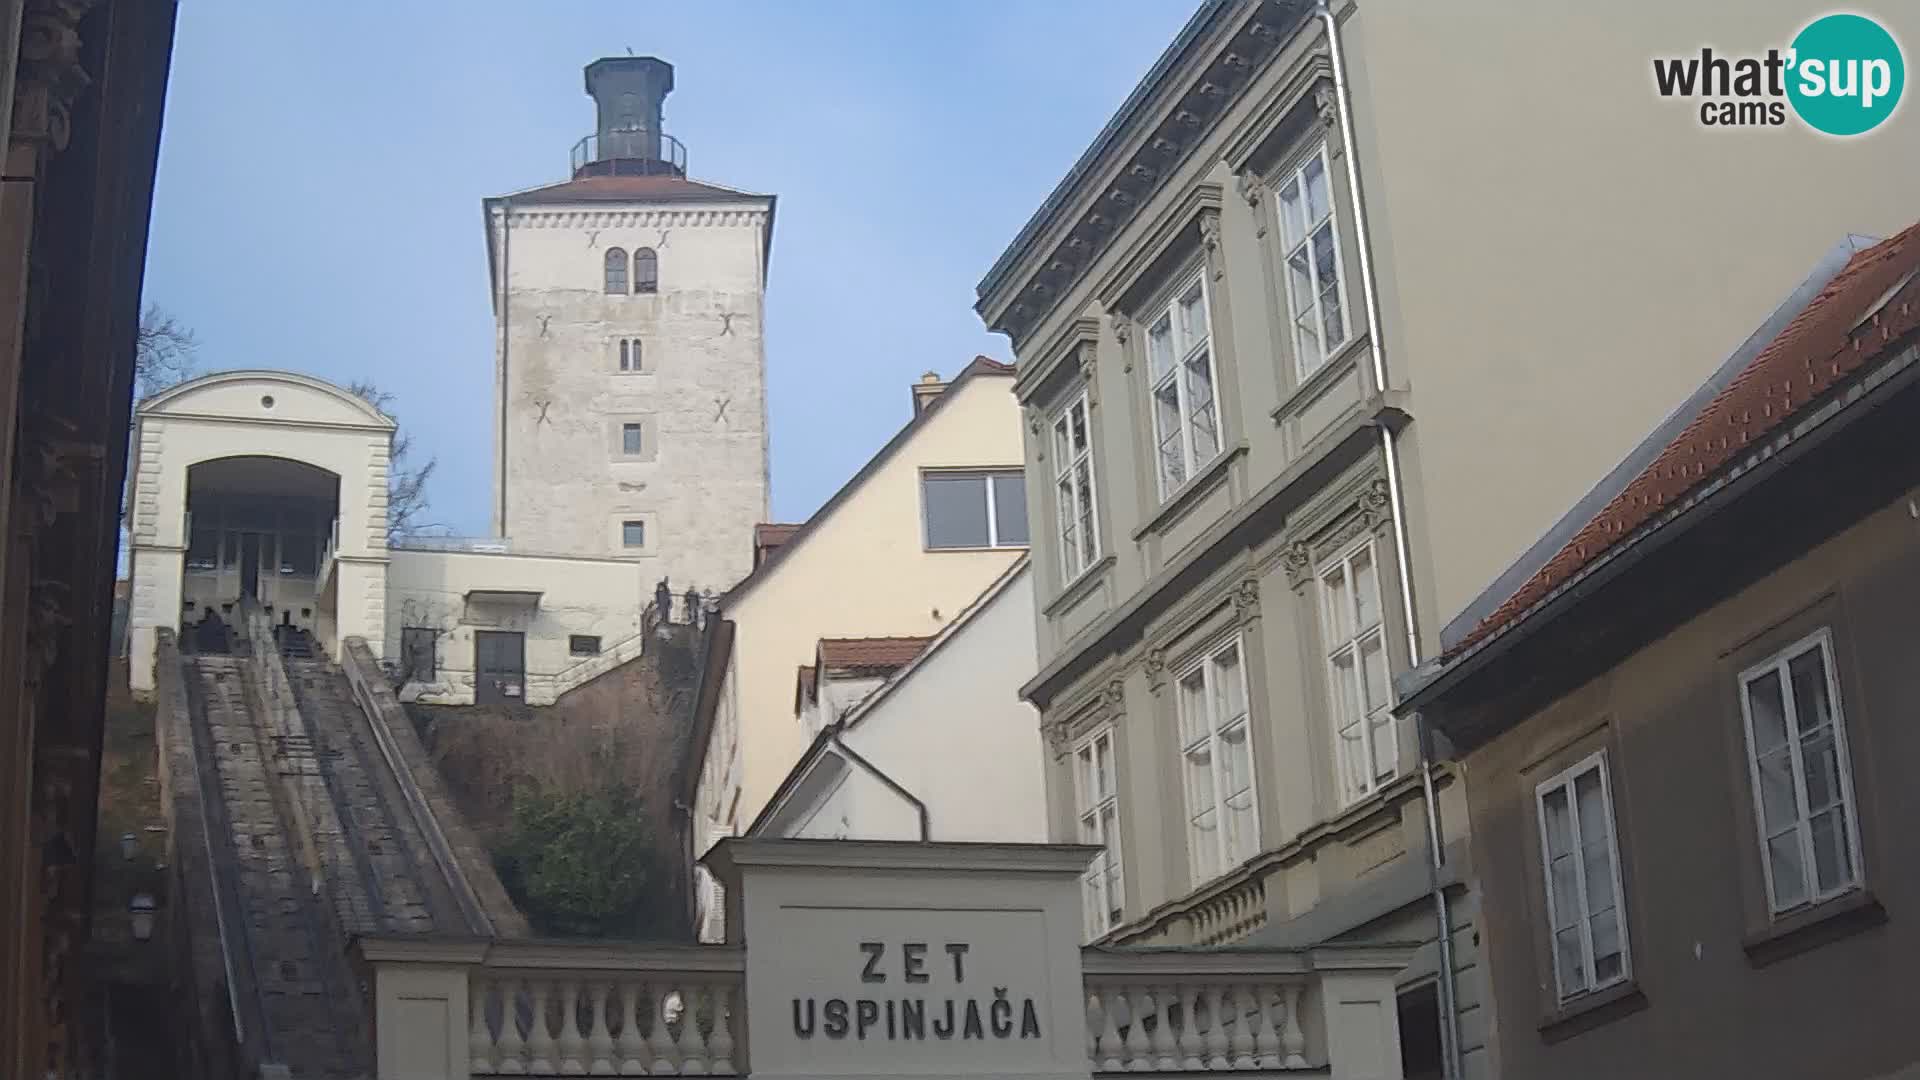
(1375, 501)
(1210, 240)
(1089, 368)
(1113, 700)
(50, 76)
(1299, 563)
(1122, 327)
(617, 219)
(1131, 178)
(1254, 189)
(1155, 665)
(1246, 602)
(1326, 105)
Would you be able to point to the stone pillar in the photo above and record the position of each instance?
(1362, 1024)
(420, 1021)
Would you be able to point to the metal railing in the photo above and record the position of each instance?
(630, 152)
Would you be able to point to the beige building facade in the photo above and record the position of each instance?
(899, 552)
(1318, 336)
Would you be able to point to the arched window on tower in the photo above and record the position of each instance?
(616, 272)
(646, 271)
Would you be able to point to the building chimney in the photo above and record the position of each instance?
(924, 391)
(628, 93)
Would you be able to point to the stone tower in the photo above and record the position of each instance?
(629, 376)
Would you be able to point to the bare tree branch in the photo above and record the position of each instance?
(406, 482)
(163, 353)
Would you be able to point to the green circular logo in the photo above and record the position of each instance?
(1846, 76)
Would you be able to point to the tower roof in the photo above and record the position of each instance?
(661, 187)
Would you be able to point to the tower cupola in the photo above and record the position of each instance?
(628, 93)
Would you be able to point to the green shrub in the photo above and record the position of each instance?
(580, 863)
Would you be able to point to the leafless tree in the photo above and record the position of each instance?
(406, 481)
(163, 353)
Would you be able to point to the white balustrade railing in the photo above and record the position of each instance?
(529, 1008)
(1178, 1011)
(613, 1012)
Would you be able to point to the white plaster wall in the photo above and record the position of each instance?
(602, 597)
(864, 571)
(955, 733)
(700, 484)
(859, 807)
(265, 414)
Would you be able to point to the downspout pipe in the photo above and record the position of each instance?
(506, 321)
(920, 808)
(1396, 494)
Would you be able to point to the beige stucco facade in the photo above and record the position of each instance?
(945, 746)
(550, 599)
(262, 432)
(271, 487)
(1557, 255)
(860, 568)
(1563, 254)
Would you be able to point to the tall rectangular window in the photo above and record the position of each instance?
(975, 509)
(1074, 501)
(1217, 763)
(630, 439)
(1186, 418)
(1802, 780)
(629, 349)
(1316, 289)
(1365, 735)
(417, 653)
(1097, 802)
(1581, 858)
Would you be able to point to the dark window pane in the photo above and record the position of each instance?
(417, 652)
(646, 271)
(633, 534)
(616, 271)
(956, 511)
(630, 438)
(583, 645)
(1010, 509)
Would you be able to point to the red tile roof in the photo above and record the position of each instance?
(870, 654)
(770, 535)
(662, 188)
(1814, 351)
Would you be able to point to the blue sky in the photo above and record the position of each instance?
(322, 166)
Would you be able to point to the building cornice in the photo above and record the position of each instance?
(1081, 220)
(731, 855)
(577, 217)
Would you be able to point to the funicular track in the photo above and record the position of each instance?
(293, 976)
(315, 842)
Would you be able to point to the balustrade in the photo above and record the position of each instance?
(1184, 1012)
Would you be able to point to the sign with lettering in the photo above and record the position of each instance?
(961, 1013)
(924, 972)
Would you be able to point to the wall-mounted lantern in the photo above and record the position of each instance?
(141, 908)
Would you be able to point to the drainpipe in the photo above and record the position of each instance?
(506, 319)
(920, 808)
(1390, 452)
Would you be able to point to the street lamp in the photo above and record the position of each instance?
(141, 908)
